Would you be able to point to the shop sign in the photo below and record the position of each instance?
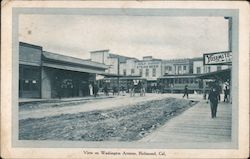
(219, 58)
(151, 64)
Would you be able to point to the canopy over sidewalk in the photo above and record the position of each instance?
(223, 75)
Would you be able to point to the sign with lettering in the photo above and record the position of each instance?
(151, 64)
(219, 58)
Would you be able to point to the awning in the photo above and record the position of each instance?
(109, 74)
(179, 76)
(223, 75)
(72, 68)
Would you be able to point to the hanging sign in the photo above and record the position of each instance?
(219, 58)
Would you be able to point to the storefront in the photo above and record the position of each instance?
(29, 81)
(48, 75)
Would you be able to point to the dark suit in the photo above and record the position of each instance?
(213, 97)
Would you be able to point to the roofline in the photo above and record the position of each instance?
(197, 59)
(216, 52)
(30, 45)
(190, 74)
(103, 65)
(98, 51)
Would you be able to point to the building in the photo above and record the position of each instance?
(49, 75)
(113, 61)
(149, 68)
(200, 68)
(128, 67)
(177, 66)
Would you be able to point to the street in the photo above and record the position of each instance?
(150, 118)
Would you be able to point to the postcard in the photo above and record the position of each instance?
(124, 79)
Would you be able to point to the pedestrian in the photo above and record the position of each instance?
(106, 90)
(90, 89)
(185, 91)
(114, 90)
(95, 88)
(213, 97)
(226, 94)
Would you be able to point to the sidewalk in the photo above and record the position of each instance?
(31, 100)
(196, 125)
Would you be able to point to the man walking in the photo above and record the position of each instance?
(213, 98)
(186, 91)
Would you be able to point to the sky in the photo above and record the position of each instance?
(134, 36)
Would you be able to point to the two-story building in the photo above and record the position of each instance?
(177, 66)
(113, 61)
(200, 68)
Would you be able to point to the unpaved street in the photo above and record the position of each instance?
(104, 120)
(50, 109)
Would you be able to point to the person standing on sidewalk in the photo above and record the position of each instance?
(95, 88)
(213, 98)
(90, 89)
(186, 91)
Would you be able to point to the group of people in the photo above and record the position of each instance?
(93, 89)
(133, 88)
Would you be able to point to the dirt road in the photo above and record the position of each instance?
(119, 120)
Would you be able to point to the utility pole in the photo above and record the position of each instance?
(118, 72)
(229, 33)
(230, 49)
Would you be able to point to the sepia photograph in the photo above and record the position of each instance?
(124, 82)
(109, 78)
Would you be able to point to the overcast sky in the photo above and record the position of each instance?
(135, 36)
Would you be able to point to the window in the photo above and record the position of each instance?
(169, 68)
(141, 72)
(209, 69)
(179, 69)
(26, 85)
(154, 72)
(198, 70)
(184, 68)
(218, 68)
(147, 72)
(132, 71)
(124, 72)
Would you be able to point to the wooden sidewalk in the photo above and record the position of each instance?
(196, 125)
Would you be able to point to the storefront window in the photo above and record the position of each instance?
(29, 81)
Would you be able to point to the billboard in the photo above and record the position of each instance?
(218, 58)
